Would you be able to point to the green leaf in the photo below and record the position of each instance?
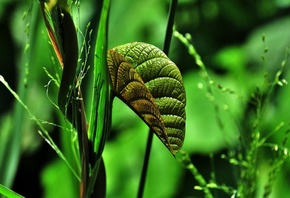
(70, 47)
(64, 40)
(62, 33)
(100, 111)
(164, 81)
(50, 14)
(9, 193)
(101, 105)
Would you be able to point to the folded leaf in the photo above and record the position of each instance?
(130, 88)
(163, 80)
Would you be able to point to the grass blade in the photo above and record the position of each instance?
(100, 99)
(11, 145)
(9, 193)
(100, 110)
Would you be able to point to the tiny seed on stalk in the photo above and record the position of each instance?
(188, 36)
(200, 85)
(280, 83)
(284, 81)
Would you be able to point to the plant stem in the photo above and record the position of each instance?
(166, 48)
(169, 28)
(145, 164)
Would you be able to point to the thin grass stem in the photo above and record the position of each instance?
(42, 130)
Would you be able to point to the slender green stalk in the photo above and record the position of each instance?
(166, 48)
(145, 164)
(184, 159)
(169, 28)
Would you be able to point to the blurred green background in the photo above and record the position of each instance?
(228, 36)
